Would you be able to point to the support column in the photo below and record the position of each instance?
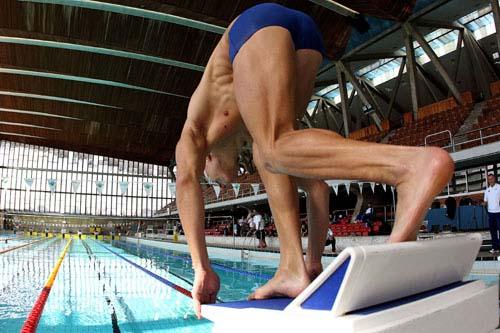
(412, 72)
(308, 119)
(428, 86)
(366, 98)
(435, 60)
(458, 56)
(328, 108)
(480, 69)
(343, 99)
(396, 88)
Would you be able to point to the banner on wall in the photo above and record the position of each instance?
(348, 188)
(171, 188)
(217, 190)
(75, 185)
(99, 186)
(256, 188)
(28, 182)
(335, 188)
(123, 185)
(372, 185)
(148, 188)
(52, 183)
(361, 187)
(384, 186)
(236, 188)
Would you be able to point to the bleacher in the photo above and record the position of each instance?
(371, 133)
(487, 128)
(358, 228)
(442, 116)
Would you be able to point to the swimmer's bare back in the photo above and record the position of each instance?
(212, 109)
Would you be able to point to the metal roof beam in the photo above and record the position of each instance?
(410, 29)
(5, 38)
(336, 7)
(82, 79)
(134, 11)
(22, 135)
(8, 123)
(439, 24)
(374, 56)
(41, 114)
(54, 98)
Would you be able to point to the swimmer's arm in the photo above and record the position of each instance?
(190, 157)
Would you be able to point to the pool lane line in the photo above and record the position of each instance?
(13, 238)
(33, 318)
(214, 265)
(114, 318)
(153, 275)
(21, 246)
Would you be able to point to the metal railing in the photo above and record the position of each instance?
(438, 133)
(456, 144)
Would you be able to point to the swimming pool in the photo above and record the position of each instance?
(99, 289)
(119, 287)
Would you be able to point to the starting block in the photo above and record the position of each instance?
(403, 287)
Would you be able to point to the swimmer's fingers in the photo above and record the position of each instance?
(197, 307)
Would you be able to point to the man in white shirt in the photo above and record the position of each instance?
(259, 227)
(368, 214)
(492, 200)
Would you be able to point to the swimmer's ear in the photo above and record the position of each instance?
(209, 157)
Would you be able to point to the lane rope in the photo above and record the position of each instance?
(31, 323)
(153, 275)
(214, 265)
(20, 246)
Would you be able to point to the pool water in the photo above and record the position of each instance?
(99, 287)
(97, 291)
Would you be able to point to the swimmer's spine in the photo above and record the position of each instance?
(33, 319)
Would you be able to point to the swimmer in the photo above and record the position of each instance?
(257, 83)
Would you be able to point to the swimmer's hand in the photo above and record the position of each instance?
(205, 288)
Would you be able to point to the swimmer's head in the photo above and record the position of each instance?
(222, 163)
(222, 166)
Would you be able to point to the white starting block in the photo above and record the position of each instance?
(404, 287)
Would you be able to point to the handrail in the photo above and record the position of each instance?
(437, 133)
(453, 140)
(478, 129)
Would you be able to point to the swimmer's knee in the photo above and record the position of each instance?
(264, 157)
(442, 161)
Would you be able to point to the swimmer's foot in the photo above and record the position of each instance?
(283, 284)
(313, 269)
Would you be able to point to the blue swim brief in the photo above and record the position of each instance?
(305, 34)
